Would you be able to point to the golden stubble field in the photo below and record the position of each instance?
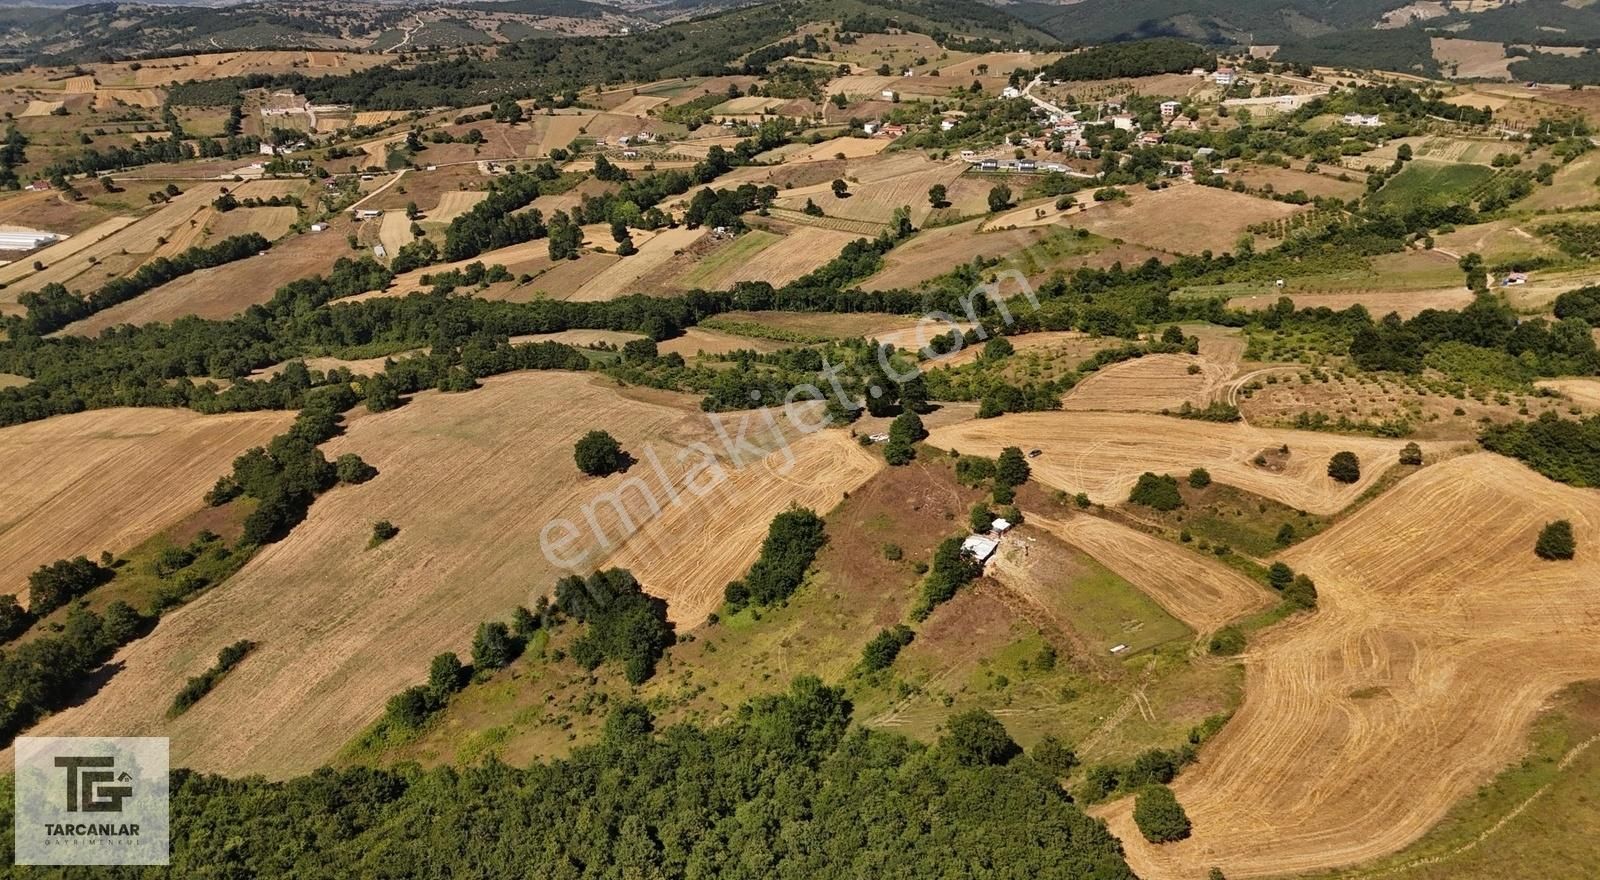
(105, 480)
(1439, 638)
(471, 480)
(1103, 454)
(1201, 592)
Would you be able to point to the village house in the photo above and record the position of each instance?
(1225, 77)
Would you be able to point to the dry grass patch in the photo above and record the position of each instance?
(622, 277)
(1472, 59)
(1183, 218)
(108, 479)
(1439, 638)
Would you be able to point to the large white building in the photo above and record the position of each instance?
(26, 241)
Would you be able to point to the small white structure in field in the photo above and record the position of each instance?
(318, 227)
(1118, 649)
(878, 438)
(1515, 278)
(980, 547)
(1000, 526)
(1010, 92)
(888, 94)
(368, 213)
(378, 251)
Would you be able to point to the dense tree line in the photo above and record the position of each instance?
(951, 569)
(786, 788)
(793, 539)
(54, 585)
(1408, 50)
(1565, 347)
(150, 152)
(52, 307)
(200, 685)
(492, 223)
(625, 624)
(45, 673)
(1137, 58)
(13, 153)
(1561, 449)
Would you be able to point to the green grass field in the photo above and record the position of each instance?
(1425, 182)
(742, 250)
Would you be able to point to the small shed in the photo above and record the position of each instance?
(1000, 526)
(980, 547)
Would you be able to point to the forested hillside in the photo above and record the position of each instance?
(787, 790)
(708, 46)
(1212, 21)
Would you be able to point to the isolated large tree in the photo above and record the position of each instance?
(599, 454)
(1000, 198)
(1158, 814)
(1011, 469)
(1344, 467)
(1556, 541)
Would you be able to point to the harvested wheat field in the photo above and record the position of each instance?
(696, 340)
(1103, 454)
(60, 252)
(639, 105)
(187, 234)
(692, 551)
(455, 203)
(106, 480)
(40, 108)
(1583, 392)
(1201, 592)
(271, 223)
(1405, 303)
(395, 232)
(105, 99)
(621, 278)
(1151, 383)
(851, 147)
(472, 480)
(801, 249)
(1183, 218)
(558, 130)
(998, 64)
(1439, 637)
(1472, 59)
(879, 188)
(227, 290)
